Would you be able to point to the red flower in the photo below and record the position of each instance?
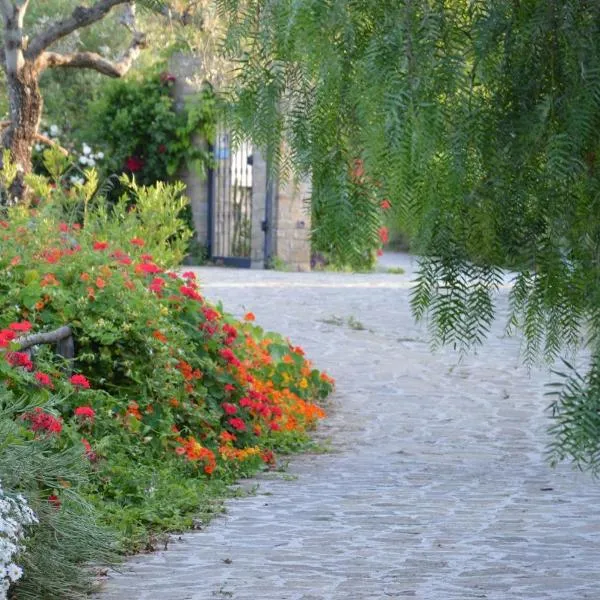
(85, 412)
(136, 241)
(19, 359)
(63, 227)
(6, 336)
(148, 268)
(122, 257)
(229, 387)
(89, 453)
(190, 292)
(274, 426)
(210, 314)
(237, 423)
(246, 402)
(54, 500)
(43, 379)
(385, 204)
(134, 163)
(189, 275)
(42, 421)
(384, 235)
(100, 283)
(21, 326)
(230, 357)
(100, 245)
(268, 457)
(249, 316)
(167, 78)
(379, 252)
(229, 409)
(80, 381)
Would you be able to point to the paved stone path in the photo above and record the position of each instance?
(436, 487)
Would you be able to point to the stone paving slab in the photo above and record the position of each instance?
(435, 488)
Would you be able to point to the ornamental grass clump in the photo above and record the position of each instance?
(166, 398)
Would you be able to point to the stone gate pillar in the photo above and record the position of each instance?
(292, 223)
(186, 69)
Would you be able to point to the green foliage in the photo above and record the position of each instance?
(143, 133)
(64, 541)
(477, 119)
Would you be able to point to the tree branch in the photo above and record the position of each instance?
(80, 17)
(49, 337)
(40, 138)
(92, 60)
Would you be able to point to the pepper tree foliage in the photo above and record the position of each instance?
(479, 121)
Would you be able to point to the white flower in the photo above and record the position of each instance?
(75, 180)
(86, 149)
(83, 160)
(91, 162)
(54, 130)
(100, 155)
(15, 515)
(14, 572)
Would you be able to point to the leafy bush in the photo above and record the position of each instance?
(168, 398)
(142, 131)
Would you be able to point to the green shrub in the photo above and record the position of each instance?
(168, 398)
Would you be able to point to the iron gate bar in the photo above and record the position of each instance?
(230, 198)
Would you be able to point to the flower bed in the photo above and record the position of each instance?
(167, 398)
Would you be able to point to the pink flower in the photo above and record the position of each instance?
(189, 275)
(80, 381)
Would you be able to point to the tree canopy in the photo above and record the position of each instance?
(479, 121)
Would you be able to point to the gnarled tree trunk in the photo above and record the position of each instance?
(25, 106)
(23, 60)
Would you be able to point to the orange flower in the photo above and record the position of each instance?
(49, 279)
(100, 283)
(161, 337)
(84, 277)
(249, 316)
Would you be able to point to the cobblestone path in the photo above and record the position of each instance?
(435, 488)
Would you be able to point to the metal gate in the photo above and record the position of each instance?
(230, 202)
